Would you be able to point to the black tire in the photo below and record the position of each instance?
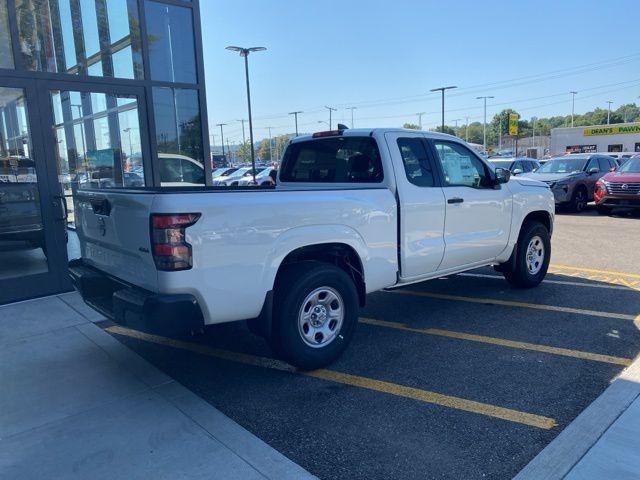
(602, 210)
(294, 285)
(521, 276)
(579, 200)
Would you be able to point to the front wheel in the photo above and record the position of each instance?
(315, 314)
(532, 256)
(579, 200)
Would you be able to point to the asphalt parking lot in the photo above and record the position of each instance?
(460, 377)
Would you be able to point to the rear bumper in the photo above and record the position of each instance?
(135, 307)
(620, 201)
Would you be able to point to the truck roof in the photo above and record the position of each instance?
(362, 132)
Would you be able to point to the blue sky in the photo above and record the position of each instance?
(384, 56)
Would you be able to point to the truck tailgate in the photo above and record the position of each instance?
(113, 229)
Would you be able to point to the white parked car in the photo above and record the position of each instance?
(231, 179)
(263, 177)
(222, 172)
(354, 211)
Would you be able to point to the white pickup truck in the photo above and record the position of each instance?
(354, 211)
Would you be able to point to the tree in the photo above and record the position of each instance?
(281, 142)
(243, 152)
(263, 150)
(447, 129)
(412, 126)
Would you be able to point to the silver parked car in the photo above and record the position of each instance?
(572, 178)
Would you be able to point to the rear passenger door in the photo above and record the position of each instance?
(478, 213)
(422, 204)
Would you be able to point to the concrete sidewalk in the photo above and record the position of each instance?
(75, 403)
(603, 442)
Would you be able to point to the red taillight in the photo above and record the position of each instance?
(171, 251)
(328, 133)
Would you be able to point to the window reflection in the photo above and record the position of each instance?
(76, 37)
(6, 57)
(22, 238)
(171, 43)
(99, 142)
(178, 135)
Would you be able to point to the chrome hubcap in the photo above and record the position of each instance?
(535, 255)
(321, 316)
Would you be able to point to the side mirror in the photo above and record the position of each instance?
(517, 171)
(593, 170)
(502, 175)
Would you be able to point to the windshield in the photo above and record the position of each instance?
(563, 165)
(501, 164)
(630, 166)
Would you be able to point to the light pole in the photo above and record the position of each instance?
(352, 109)
(221, 135)
(442, 90)
(466, 130)
(533, 134)
(128, 130)
(331, 109)
(242, 120)
(420, 114)
(484, 126)
(609, 102)
(270, 151)
(295, 114)
(573, 105)
(244, 52)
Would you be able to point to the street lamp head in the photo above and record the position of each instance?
(244, 51)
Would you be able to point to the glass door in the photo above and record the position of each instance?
(31, 250)
(96, 142)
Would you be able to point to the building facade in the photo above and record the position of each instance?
(93, 94)
(622, 137)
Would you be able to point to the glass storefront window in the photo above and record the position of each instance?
(171, 43)
(22, 239)
(179, 136)
(6, 57)
(99, 142)
(75, 37)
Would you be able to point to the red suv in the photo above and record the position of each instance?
(620, 188)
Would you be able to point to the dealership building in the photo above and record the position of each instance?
(622, 137)
(93, 94)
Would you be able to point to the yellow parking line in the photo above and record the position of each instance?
(594, 270)
(426, 396)
(509, 303)
(625, 286)
(596, 357)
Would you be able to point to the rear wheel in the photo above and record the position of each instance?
(532, 256)
(316, 311)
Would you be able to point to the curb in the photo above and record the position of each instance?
(559, 457)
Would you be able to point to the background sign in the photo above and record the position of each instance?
(612, 130)
(513, 124)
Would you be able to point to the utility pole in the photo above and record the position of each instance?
(242, 120)
(442, 90)
(500, 131)
(331, 109)
(270, 150)
(609, 102)
(244, 52)
(484, 127)
(533, 140)
(573, 105)
(295, 114)
(420, 114)
(466, 130)
(353, 125)
(221, 135)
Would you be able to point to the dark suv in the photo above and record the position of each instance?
(572, 178)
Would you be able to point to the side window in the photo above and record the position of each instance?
(593, 163)
(518, 166)
(192, 173)
(528, 166)
(460, 166)
(416, 162)
(604, 164)
(170, 170)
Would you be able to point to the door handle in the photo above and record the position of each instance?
(455, 200)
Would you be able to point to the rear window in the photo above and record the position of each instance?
(333, 160)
